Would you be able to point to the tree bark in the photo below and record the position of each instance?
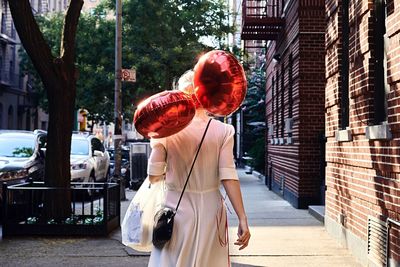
(58, 75)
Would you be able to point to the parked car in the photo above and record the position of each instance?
(125, 164)
(22, 155)
(89, 160)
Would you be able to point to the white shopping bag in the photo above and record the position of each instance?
(137, 226)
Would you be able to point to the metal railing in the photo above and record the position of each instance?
(262, 20)
(95, 209)
(262, 9)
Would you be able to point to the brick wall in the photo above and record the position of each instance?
(295, 158)
(362, 174)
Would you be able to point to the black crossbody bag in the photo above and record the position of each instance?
(164, 218)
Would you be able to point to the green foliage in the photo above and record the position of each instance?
(160, 39)
(254, 119)
(94, 59)
(23, 152)
(257, 153)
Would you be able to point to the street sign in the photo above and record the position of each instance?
(128, 75)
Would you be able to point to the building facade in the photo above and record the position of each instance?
(89, 5)
(363, 128)
(295, 88)
(295, 105)
(49, 6)
(18, 102)
(14, 100)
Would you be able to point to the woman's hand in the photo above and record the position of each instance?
(243, 234)
(232, 188)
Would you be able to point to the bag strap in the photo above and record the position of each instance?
(191, 169)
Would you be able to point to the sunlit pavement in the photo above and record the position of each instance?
(281, 236)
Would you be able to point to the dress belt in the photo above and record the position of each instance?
(170, 188)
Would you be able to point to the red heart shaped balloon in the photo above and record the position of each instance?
(164, 114)
(220, 82)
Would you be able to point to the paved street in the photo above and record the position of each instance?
(281, 236)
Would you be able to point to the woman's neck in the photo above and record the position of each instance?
(201, 114)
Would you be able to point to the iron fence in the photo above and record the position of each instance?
(95, 209)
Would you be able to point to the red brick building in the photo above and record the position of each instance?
(363, 128)
(295, 91)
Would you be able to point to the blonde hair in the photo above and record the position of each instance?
(185, 82)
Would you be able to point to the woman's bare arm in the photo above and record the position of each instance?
(157, 164)
(232, 188)
(155, 178)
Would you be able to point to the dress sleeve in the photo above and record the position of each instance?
(157, 160)
(227, 168)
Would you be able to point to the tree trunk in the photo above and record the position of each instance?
(58, 75)
(61, 99)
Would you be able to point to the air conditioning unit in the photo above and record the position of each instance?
(271, 129)
(288, 125)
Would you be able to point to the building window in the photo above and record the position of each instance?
(13, 31)
(28, 119)
(12, 67)
(10, 117)
(344, 71)
(3, 23)
(380, 81)
(290, 88)
(282, 100)
(20, 118)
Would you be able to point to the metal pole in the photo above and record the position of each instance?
(117, 95)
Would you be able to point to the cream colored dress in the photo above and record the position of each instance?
(200, 229)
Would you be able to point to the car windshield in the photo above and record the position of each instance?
(17, 147)
(79, 147)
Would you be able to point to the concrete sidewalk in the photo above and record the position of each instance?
(281, 236)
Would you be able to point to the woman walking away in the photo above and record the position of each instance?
(200, 234)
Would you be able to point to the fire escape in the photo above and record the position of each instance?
(262, 20)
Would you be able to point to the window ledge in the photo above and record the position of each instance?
(343, 135)
(378, 132)
(289, 140)
(281, 141)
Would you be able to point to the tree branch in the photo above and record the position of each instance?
(69, 31)
(31, 37)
